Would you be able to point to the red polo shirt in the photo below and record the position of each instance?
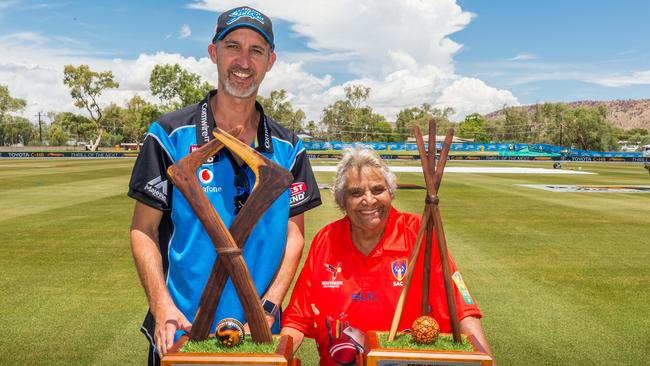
(347, 287)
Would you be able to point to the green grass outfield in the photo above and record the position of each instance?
(562, 278)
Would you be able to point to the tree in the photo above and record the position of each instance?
(420, 116)
(177, 87)
(312, 128)
(589, 129)
(136, 118)
(385, 132)
(86, 86)
(278, 107)
(13, 129)
(635, 136)
(8, 103)
(517, 126)
(473, 127)
(80, 127)
(16, 130)
(349, 120)
(57, 136)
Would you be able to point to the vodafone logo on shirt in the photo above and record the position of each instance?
(206, 176)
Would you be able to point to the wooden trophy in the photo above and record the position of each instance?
(380, 348)
(271, 181)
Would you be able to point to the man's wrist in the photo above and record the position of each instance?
(270, 308)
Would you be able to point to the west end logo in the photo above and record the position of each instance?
(398, 267)
(245, 13)
(298, 193)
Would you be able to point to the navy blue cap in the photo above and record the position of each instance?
(247, 17)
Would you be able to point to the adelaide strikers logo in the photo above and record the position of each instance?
(245, 12)
(398, 267)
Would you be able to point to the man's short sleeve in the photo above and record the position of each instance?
(149, 183)
(304, 193)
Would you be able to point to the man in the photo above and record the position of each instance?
(172, 251)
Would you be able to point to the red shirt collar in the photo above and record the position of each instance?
(391, 240)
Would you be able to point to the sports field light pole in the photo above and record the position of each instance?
(431, 222)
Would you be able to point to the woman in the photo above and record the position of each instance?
(354, 272)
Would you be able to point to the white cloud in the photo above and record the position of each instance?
(619, 80)
(524, 57)
(369, 28)
(469, 95)
(185, 31)
(401, 50)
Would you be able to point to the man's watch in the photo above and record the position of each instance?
(270, 308)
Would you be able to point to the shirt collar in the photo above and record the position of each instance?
(391, 240)
(205, 123)
(393, 237)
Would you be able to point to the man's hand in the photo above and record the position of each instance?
(270, 319)
(168, 320)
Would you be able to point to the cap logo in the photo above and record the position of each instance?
(245, 13)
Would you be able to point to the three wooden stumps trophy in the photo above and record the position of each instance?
(384, 350)
(230, 263)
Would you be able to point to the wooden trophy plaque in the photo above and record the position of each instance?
(283, 356)
(271, 181)
(378, 356)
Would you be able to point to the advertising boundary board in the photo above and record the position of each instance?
(131, 154)
(67, 154)
(500, 158)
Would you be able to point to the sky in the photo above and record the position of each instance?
(471, 55)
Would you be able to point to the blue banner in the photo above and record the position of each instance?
(472, 147)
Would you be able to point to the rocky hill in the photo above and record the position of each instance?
(626, 114)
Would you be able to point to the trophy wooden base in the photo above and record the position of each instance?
(377, 356)
(283, 356)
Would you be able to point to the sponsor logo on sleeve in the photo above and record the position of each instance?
(334, 271)
(157, 187)
(297, 193)
(460, 284)
(398, 268)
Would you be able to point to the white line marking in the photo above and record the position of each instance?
(458, 169)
